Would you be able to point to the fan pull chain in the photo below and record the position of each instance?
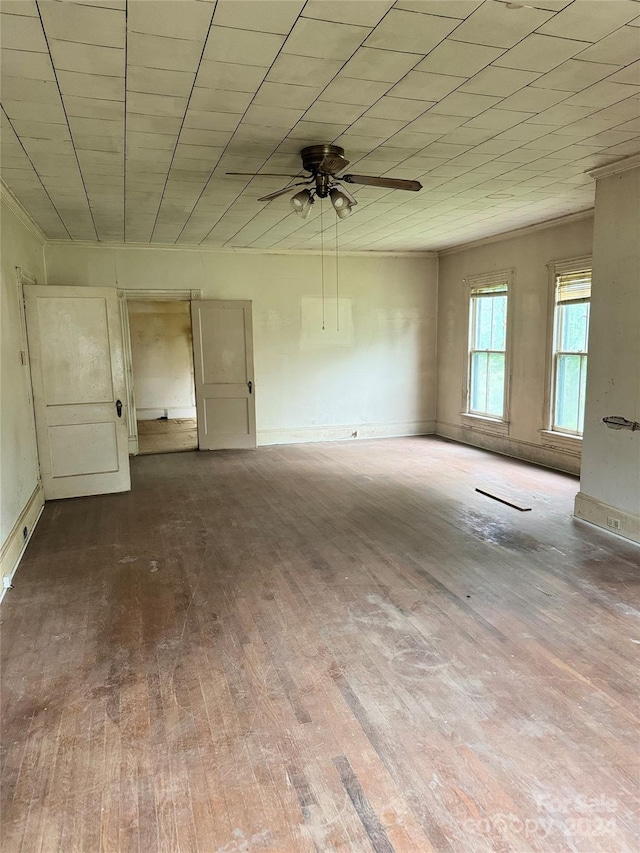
(337, 282)
(322, 261)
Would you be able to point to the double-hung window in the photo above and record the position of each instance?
(570, 348)
(488, 347)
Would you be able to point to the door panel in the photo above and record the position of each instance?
(227, 416)
(76, 353)
(76, 330)
(223, 357)
(83, 449)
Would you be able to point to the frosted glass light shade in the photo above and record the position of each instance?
(301, 200)
(338, 199)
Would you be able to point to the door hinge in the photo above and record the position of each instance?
(23, 357)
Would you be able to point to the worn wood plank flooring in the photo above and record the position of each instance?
(173, 435)
(336, 647)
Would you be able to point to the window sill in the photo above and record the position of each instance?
(562, 441)
(484, 423)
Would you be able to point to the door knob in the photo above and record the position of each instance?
(119, 408)
(250, 386)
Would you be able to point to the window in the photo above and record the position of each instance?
(570, 346)
(487, 348)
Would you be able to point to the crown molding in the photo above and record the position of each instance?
(16, 207)
(519, 232)
(212, 250)
(615, 168)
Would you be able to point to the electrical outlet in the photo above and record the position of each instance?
(613, 523)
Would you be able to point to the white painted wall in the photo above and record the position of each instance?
(610, 479)
(377, 375)
(528, 255)
(162, 356)
(20, 498)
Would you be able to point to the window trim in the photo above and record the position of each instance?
(558, 438)
(475, 420)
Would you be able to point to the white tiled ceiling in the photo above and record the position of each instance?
(120, 118)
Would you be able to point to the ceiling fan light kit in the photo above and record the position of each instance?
(343, 212)
(301, 203)
(323, 163)
(338, 199)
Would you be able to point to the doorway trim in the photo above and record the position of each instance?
(142, 295)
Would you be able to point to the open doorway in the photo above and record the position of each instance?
(163, 375)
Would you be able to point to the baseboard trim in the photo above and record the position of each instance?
(15, 544)
(169, 413)
(539, 454)
(596, 512)
(304, 435)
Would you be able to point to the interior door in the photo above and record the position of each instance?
(223, 359)
(77, 367)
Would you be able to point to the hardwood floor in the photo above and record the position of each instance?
(167, 436)
(335, 647)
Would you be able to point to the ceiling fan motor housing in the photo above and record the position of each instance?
(323, 158)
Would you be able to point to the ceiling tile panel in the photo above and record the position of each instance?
(219, 100)
(89, 107)
(540, 53)
(530, 100)
(498, 81)
(461, 104)
(404, 109)
(91, 86)
(347, 11)
(619, 48)
(410, 32)
(387, 66)
(156, 105)
(303, 71)
(276, 16)
(156, 81)
(169, 18)
(344, 90)
(230, 76)
(152, 51)
(574, 76)
(630, 74)
(21, 32)
(83, 23)
(603, 94)
(496, 25)
(298, 97)
(452, 9)
(87, 58)
(18, 110)
(25, 64)
(325, 40)
(331, 112)
(28, 90)
(424, 86)
(458, 58)
(576, 22)
(242, 46)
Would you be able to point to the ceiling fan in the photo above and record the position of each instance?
(323, 163)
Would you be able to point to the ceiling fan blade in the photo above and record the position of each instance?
(263, 175)
(388, 183)
(284, 190)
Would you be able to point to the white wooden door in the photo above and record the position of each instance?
(223, 358)
(77, 368)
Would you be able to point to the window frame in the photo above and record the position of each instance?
(478, 420)
(552, 435)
